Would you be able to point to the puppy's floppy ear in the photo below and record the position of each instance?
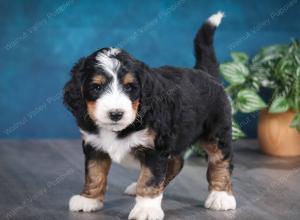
(146, 97)
(147, 84)
(73, 98)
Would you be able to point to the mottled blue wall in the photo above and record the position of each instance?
(40, 41)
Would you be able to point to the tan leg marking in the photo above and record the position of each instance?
(218, 173)
(149, 195)
(219, 178)
(175, 165)
(96, 178)
(142, 184)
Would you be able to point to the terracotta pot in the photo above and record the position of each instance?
(276, 137)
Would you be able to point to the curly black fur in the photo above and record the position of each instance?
(181, 105)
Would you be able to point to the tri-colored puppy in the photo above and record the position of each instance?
(125, 108)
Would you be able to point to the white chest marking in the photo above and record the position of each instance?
(117, 148)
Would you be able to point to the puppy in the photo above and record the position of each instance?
(125, 108)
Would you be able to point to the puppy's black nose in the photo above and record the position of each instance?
(116, 115)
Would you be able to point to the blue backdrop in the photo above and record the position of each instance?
(41, 40)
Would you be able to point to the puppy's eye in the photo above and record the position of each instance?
(129, 87)
(96, 87)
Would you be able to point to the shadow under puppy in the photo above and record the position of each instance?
(126, 109)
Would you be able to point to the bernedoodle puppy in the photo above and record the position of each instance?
(126, 109)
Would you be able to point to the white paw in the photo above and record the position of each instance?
(220, 200)
(81, 203)
(131, 189)
(147, 209)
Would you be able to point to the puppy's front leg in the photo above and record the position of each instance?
(97, 166)
(150, 186)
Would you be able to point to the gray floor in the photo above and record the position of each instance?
(37, 179)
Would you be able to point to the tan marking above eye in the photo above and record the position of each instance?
(99, 79)
(128, 78)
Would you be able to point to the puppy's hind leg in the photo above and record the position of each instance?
(219, 174)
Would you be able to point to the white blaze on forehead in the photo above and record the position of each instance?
(106, 59)
(113, 51)
(114, 97)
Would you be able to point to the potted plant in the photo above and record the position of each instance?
(276, 68)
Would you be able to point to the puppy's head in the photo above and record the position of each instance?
(109, 87)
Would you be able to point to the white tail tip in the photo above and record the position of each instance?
(216, 19)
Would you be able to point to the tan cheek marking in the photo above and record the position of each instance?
(135, 105)
(218, 173)
(99, 79)
(96, 178)
(91, 106)
(128, 78)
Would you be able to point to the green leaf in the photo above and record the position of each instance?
(279, 104)
(234, 73)
(249, 101)
(270, 53)
(237, 133)
(296, 122)
(239, 57)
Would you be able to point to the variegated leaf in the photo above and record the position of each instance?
(249, 101)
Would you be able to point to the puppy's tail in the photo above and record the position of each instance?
(203, 43)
